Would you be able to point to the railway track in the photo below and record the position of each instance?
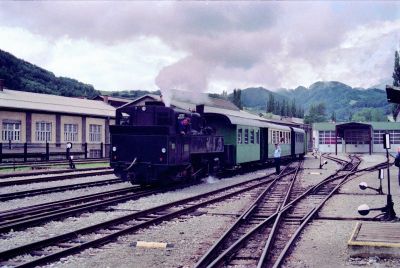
(264, 241)
(30, 216)
(70, 175)
(96, 235)
(56, 189)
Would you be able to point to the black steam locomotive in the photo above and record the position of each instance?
(152, 144)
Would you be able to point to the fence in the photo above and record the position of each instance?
(34, 152)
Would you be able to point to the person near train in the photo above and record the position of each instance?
(397, 163)
(277, 158)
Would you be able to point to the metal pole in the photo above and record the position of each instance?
(389, 204)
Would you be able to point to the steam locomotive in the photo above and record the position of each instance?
(155, 144)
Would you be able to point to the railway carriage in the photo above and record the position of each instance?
(152, 143)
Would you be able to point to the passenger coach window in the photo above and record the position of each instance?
(246, 136)
(258, 136)
(239, 136)
(252, 136)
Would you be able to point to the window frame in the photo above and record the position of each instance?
(43, 131)
(95, 133)
(11, 131)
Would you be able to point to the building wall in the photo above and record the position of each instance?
(17, 116)
(71, 120)
(49, 118)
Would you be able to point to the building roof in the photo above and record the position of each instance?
(243, 118)
(52, 103)
(375, 125)
(112, 98)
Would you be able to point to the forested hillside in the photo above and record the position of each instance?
(339, 99)
(24, 76)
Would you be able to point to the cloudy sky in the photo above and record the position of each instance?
(205, 46)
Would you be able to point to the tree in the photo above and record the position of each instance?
(316, 114)
(237, 98)
(271, 103)
(292, 108)
(283, 108)
(333, 116)
(369, 114)
(396, 83)
(277, 107)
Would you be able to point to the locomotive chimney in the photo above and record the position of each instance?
(1, 84)
(200, 109)
(105, 99)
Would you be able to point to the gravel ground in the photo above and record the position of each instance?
(324, 242)
(32, 186)
(13, 239)
(371, 160)
(46, 198)
(341, 156)
(311, 173)
(190, 238)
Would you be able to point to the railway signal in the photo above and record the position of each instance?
(363, 185)
(388, 210)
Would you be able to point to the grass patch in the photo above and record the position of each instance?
(61, 166)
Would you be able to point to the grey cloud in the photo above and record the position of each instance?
(241, 41)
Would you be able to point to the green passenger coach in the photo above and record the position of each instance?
(249, 138)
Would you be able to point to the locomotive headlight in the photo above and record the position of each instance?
(114, 149)
(163, 150)
(143, 109)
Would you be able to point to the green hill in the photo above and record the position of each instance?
(24, 76)
(337, 97)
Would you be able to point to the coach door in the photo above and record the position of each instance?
(263, 144)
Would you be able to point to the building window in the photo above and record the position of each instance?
(239, 136)
(94, 133)
(258, 137)
(328, 137)
(394, 136)
(70, 132)
(11, 131)
(252, 136)
(43, 131)
(246, 136)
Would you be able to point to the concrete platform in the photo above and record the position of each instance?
(371, 239)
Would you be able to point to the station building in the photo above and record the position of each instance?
(353, 137)
(38, 120)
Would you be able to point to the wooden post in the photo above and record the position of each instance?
(47, 152)
(1, 152)
(101, 150)
(25, 152)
